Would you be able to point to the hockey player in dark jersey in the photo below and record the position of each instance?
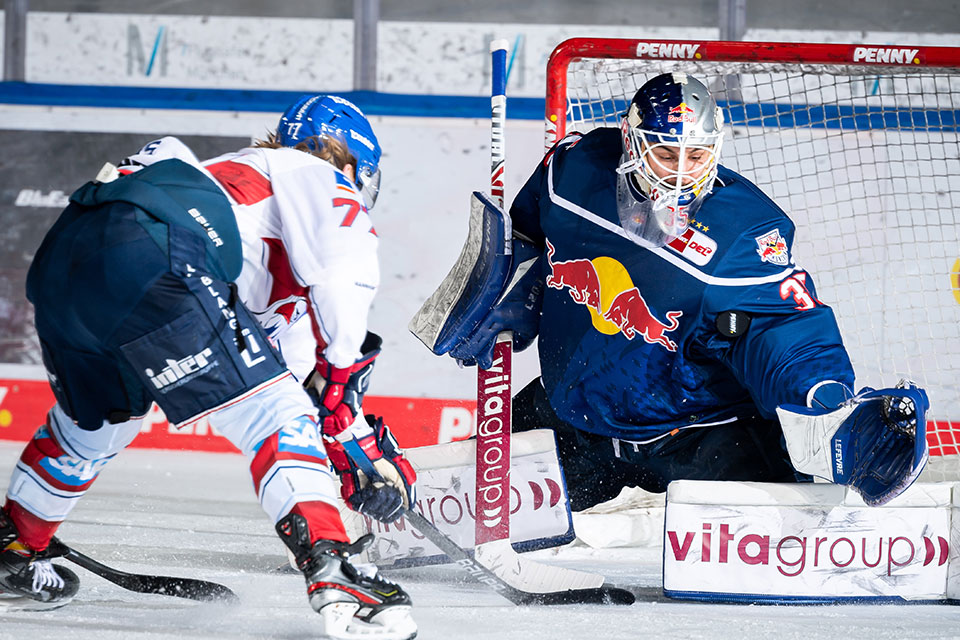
(674, 325)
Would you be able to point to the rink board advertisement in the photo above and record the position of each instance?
(40, 169)
(807, 543)
(446, 496)
(415, 421)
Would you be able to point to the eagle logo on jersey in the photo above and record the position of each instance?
(605, 288)
(281, 314)
(771, 247)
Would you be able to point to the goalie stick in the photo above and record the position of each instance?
(188, 588)
(493, 550)
(521, 581)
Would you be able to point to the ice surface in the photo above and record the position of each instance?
(194, 515)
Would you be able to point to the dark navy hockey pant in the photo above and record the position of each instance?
(597, 467)
(128, 312)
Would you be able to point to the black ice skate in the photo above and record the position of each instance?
(353, 600)
(28, 580)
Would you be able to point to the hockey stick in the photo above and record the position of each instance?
(188, 588)
(505, 573)
(494, 413)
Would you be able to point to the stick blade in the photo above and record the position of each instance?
(601, 595)
(189, 588)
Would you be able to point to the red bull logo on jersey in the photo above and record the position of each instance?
(605, 288)
(682, 113)
(771, 247)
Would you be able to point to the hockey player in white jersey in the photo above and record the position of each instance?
(169, 284)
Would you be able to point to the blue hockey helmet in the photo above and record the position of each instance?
(339, 118)
(672, 133)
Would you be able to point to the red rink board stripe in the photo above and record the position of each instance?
(416, 422)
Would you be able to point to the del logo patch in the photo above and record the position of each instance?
(694, 246)
(771, 247)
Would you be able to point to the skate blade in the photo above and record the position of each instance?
(339, 623)
(13, 602)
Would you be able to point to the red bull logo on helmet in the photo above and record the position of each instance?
(771, 247)
(682, 113)
(605, 288)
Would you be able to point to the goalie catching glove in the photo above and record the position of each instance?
(387, 497)
(874, 441)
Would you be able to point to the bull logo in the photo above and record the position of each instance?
(771, 247)
(630, 312)
(580, 276)
(616, 305)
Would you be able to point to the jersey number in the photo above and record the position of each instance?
(354, 209)
(796, 286)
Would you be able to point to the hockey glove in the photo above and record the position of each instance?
(874, 442)
(394, 492)
(517, 309)
(338, 392)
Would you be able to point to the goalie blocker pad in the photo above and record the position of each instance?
(446, 479)
(766, 543)
(474, 282)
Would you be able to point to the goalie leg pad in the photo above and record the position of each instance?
(756, 542)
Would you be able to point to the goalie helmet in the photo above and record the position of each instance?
(671, 134)
(339, 118)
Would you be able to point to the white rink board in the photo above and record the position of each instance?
(755, 542)
(446, 490)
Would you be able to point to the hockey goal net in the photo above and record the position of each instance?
(860, 145)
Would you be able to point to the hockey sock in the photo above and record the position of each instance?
(291, 474)
(44, 487)
(32, 531)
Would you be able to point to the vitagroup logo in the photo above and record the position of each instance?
(674, 50)
(886, 55)
(792, 555)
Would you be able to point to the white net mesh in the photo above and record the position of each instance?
(866, 161)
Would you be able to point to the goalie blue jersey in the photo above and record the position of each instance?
(634, 342)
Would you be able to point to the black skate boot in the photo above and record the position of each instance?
(353, 600)
(28, 580)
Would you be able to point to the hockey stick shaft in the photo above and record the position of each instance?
(188, 588)
(481, 573)
(498, 117)
(494, 414)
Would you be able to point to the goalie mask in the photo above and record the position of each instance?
(671, 134)
(336, 117)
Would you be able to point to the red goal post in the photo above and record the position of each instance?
(860, 145)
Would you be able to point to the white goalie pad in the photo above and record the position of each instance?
(446, 480)
(809, 543)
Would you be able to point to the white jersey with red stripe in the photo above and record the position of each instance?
(309, 247)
